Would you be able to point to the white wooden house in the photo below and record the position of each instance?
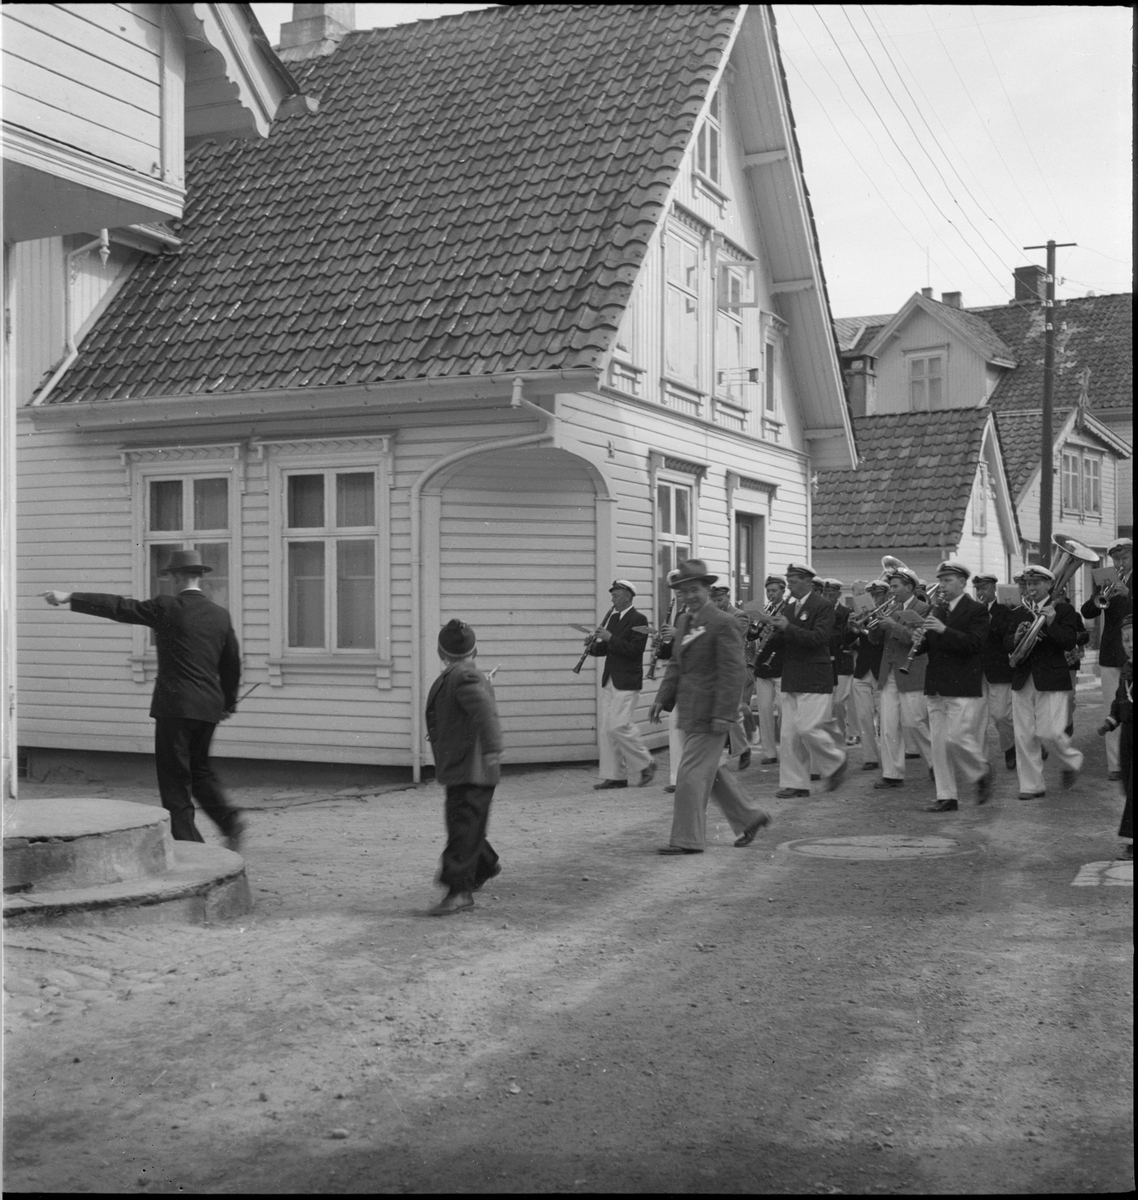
(531, 301)
(99, 103)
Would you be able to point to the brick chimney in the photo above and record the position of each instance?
(927, 293)
(1030, 283)
(315, 29)
(952, 299)
(861, 384)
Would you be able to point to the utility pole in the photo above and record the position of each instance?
(1046, 465)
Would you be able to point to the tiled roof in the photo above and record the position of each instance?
(474, 195)
(854, 333)
(1092, 331)
(912, 487)
(975, 327)
(1019, 439)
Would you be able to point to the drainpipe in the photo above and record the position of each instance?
(104, 244)
(417, 690)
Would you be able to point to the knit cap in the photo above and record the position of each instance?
(456, 638)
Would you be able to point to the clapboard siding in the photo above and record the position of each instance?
(966, 374)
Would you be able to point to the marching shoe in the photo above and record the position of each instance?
(984, 787)
(767, 762)
(648, 774)
(1069, 778)
(236, 836)
(748, 834)
(451, 903)
(834, 779)
(886, 782)
(815, 778)
(908, 755)
(1010, 759)
(745, 759)
(670, 788)
(943, 806)
(496, 871)
(787, 793)
(1032, 795)
(609, 783)
(677, 850)
(1115, 776)
(871, 766)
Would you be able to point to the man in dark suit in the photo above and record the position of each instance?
(466, 742)
(199, 669)
(863, 686)
(1110, 654)
(809, 732)
(954, 635)
(623, 754)
(841, 655)
(1040, 684)
(704, 683)
(767, 668)
(997, 669)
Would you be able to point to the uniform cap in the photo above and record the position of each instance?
(1035, 571)
(797, 568)
(623, 583)
(877, 585)
(903, 573)
(1120, 544)
(833, 583)
(774, 579)
(984, 577)
(953, 566)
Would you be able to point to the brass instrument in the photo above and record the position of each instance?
(874, 617)
(1107, 592)
(1066, 559)
(769, 629)
(936, 600)
(658, 638)
(590, 642)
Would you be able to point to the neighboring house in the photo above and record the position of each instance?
(935, 356)
(100, 101)
(532, 301)
(928, 486)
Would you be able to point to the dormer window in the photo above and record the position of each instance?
(926, 381)
(707, 145)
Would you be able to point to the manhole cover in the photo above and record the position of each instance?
(879, 845)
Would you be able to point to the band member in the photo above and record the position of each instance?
(997, 670)
(740, 735)
(1040, 684)
(808, 728)
(767, 672)
(1110, 657)
(863, 685)
(622, 750)
(703, 683)
(903, 704)
(667, 636)
(840, 653)
(954, 635)
(1121, 718)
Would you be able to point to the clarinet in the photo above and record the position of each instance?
(591, 643)
(919, 637)
(660, 641)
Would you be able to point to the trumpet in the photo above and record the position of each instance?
(590, 642)
(658, 639)
(871, 619)
(1107, 593)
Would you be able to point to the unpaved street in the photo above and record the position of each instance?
(759, 1020)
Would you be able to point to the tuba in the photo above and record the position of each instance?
(1066, 559)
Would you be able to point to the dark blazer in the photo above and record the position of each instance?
(707, 670)
(867, 655)
(956, 657)
(199, 663)
(462, 723)
(997, 669)
(1110, 647)
(1046, 665)
(840, 651)
(805, 643)
(624, 652)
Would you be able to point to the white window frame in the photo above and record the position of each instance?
(707, 161)
(666, 476)
(697, 297)
(151, 464)
(327, 457)
(1077, 481)
(925, 355)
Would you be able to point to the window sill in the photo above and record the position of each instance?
(330, 664)
(709, 188)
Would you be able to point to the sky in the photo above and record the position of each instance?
(939, 140)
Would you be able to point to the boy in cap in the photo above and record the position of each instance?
(466, 741)
(199, 669)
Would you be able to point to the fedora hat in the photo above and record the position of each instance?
(185, 560)
(691, 570)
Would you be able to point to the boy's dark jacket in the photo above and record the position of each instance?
(462, 723)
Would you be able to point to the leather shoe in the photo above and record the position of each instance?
(767, 762)
(815, 778)
(871, 766)
(943, 806)
(984, 787)
(677, 850)
(744, 760)
(787, 793)
(834, 779)
(1032, 795)
(451, 903)
(1010, 759)
(908, 755)
(609, 783)
(1069, 779)
(494, 873)
(886, 782)
(1115, 776)
(648, 774)
(235, 838)
(670, 788)
(748, 834)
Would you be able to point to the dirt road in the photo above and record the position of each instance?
(776, 1019)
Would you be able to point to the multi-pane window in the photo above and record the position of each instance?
(770, 379)
(683, 271)
(189, 513)
(1092, 485)
(708, 143)
(331, 540)
(1072, 482)
(729, 365)
(1081, 483)
(926, 383)
(673, 536)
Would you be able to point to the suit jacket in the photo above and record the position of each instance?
(840, 651)
(462, 723)
(1122, 706)
(805, 643)
(956, 657)
(707, 670)
(1110, 647)
(1046, 666)
(199, 662)
(624, 651)
(867, 654)
(997, 669)
(896, 640)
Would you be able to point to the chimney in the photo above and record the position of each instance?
(1030, 283)
(861, 385)
(927, 293)
(952, 299)
(315, 29)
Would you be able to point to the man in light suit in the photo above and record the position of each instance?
(704, 683)
(199, 669)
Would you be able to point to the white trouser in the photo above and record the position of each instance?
(955, 731)
(901, 713)
(675, 747)
(842, 714)
(809, 734)
(1040, 717)
(623, 753)
(766, 700)
(998, 708)
(863, 694)
(1110, 677)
